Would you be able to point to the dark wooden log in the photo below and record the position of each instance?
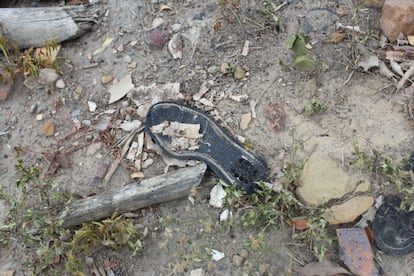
(162, 188)
(31, 27)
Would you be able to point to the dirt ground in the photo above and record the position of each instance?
(362, 107)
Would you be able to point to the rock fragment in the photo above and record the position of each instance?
(397, 17)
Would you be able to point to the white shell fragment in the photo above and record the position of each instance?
(217, 255)
(175, 46)
(217, 196)
(120, 89)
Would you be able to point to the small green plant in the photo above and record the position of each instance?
(385, 169)
(28, 62)
(31, 224)
(315, 106)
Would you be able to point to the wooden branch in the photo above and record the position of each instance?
(31, 27)
(162, 188)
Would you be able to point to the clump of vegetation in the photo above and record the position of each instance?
(315, 106)
(28, 62)
(30, 221)
(273, 207)
(386, 169)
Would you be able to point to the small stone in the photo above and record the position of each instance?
(137, 175)
(48, 128)
(263, 268)
(322, 180)
(93, 148)
(176, 27)
(105, 79)
(147, 163)
(245, 120)
(225, 67)
(217, 196)
(239, 73)
(197, 272)
(120, 48)
(78, 89)
(39, 117)
(60, 84)
(42, 107)
(349, 210)
(132, 65)
(238, 260)
(33, 108)
(127, 59)
(244, 253)
(47, 75)
(397, 17)
(157, 39)
(92, 106)
(373, 3)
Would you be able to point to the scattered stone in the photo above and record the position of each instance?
(93, 148)
(120, 48)
(244, 253)
(349, 210)
(176, 27)
(5, 88)
(225, 68)
(320, 22)
(8, 273)
(127, 59)
(132, 65)
(225, 215)
(217, 196)
(118, 90)
(197, 272)
(157, 22)
(323, 268)
(322, 180)
(368, 62)
(397, 17)
(245, 50)
(105, 79)
(60, 84)
(42, 107)
(157, 39)
(239, 73)
(47, 75)
(39, 117)
(147, 163)
(263, 267)
(238, 260)
(30, 82)
(78, 89)
(75, 113)
(33, 108)
(92, 106)
(48, 128)
(245, 120)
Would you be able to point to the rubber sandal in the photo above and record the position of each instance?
(393, 228)
(226, 157)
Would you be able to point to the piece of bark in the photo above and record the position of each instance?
(32, 27)
(150, 191)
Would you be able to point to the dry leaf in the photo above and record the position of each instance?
(48, 128)
(109, 264)
(337, 36)
(298, 223)
(120, 89)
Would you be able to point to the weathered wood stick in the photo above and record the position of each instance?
(158, 189)
(31, 27)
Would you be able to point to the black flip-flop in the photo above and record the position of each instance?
(225, 156)
(393, 228)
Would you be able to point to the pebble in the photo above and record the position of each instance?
(127, 59)
(33, 108)
(92, 106)
(244, 253)
(263, 267)
(239, 73)
(60, 84)
(75, 113)
(238, 260)
(157, 39)
(197, 272)
(47, 75)
(105, 79)
(147, 163)
(39, 117)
